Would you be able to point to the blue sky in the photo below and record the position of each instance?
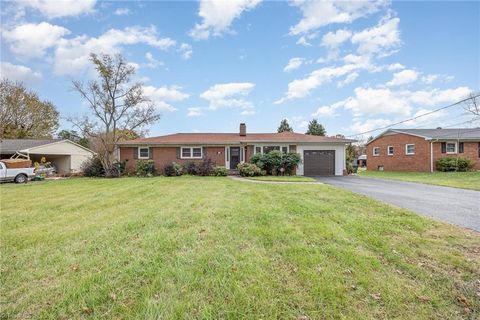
(210, 65)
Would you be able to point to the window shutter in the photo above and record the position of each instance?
(444, 147)
(150, 153)
(135, 153)
(178, 152)
(460, 147)
(204, 153)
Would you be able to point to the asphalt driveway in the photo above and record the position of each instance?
(456, 206)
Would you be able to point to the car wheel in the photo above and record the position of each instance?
(21, 178)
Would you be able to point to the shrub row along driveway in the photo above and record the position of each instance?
(215, 248)
(453, 205)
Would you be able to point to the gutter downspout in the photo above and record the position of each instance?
(431, 156)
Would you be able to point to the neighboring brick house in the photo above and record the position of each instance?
(319, 155)
(419, 149)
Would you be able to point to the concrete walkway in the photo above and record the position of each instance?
(457, 206)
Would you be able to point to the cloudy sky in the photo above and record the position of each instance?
(210, 65)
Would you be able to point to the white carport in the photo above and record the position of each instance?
(67, 156)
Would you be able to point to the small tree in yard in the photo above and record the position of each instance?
(315, 128)
(116, 105)
(284, 126)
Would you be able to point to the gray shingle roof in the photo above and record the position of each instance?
(442, 134)
(8, 146)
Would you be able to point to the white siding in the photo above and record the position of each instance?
(339, 155)
(74, 155)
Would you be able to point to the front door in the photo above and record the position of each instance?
(234, 157)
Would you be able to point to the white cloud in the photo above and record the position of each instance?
(304, 40)
(395, 66)
(72, 55)
(194, 112)
(333, 40)
(57, 9)
(317, 14)
(31, 40)
(228, 95)
(162, 95)
(431, 78)
(349, 79)
(21, 73)
(403, 77)
(367, 125)
(293, 64)
(375, 101)
(152, 62)
(381, 39)
(122, 12)
(218, 15)
(328, 111)
(301, 87)
(247, 113)
(186, 51)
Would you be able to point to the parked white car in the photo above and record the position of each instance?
(18, 175)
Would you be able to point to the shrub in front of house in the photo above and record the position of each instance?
(93, 168)
(249, 170)
(173, 170)
(145, 168)
(447, 164)
(190, 168)
(276, 162)
(205, 168)
(220, 172)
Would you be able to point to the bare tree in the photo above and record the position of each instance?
(116, 105)
(472, 104)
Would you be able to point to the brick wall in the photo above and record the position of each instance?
(420, 161)
(166, 155)
(470, 151)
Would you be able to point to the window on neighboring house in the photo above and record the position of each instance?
(258, 149)
(143, 153)
(284, 149)
(409, 149)
(191, 152)
(376, 151)
(390, 150)
(451, 147)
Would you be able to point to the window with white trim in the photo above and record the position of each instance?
(451, 147)
(143, 153)
(390, 150)
(376, 151)
(410, 149)
(269, 148)
(191, 152)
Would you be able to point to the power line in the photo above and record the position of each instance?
(414, 118)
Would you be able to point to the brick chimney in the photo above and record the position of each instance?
(243, 130)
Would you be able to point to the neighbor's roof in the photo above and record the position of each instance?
(8, 146)
(438, 134)
(233, 138)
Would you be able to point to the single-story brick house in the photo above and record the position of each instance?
(419, 149)
(319, 155)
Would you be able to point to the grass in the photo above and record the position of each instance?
(283, 178)
(465, 180)
(215, 248)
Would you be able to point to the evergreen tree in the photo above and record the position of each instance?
(284, 126)
(315, 128)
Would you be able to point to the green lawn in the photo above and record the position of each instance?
(283, 178)
(216, 248)
(465, 180)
